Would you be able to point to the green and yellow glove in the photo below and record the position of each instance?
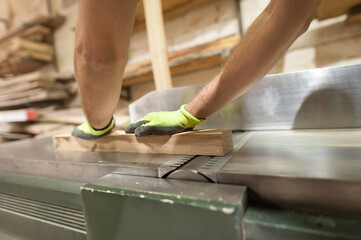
(86, 131)
(164, 123)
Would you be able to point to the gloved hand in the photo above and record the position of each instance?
(86, 131)
(164, 123)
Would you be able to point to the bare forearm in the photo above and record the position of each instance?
(264, 43)
(102, 40)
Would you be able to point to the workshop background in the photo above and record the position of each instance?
(38, 92)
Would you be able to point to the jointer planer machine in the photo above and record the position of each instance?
(294, 173)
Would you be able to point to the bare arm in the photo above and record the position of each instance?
(101, 48)
(268, 38)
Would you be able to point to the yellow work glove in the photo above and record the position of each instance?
(86, 131)
(164, 123)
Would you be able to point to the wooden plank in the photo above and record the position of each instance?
(213, 142)
(47, 21)
(334, 8)
(20, 65)
(14, 136)
(37, 76)
(16, 44)
(36, 32)
(328, 34)
(184, 61)
(353, 19)
(11, 127)
(331, 54)
(39, 128)
(171, 9)
(178, 68)
(218, 20)
(354, 16)
(42, 95)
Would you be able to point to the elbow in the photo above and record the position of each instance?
(97, 58)
(306, 23)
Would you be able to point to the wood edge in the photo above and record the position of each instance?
(227, 142)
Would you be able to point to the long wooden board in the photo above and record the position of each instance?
(213, 142)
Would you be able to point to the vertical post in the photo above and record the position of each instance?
(157, 43)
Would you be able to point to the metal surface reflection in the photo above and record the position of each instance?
(319, 98)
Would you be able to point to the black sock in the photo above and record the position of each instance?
(100, 129)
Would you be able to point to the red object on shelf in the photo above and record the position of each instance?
(23, 115)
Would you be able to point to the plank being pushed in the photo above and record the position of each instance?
(213, 142)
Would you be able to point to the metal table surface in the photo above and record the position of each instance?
(37, 157)
(315, 170)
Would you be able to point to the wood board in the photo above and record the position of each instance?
(171, 9)
(213, 142)
(184, 61)
(34, 87)
(334, 8)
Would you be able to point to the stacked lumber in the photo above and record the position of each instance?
(171, 9)
(26, 50)
(22, 97)
(184, 61)
(33, 88)
(48, 121)
(26, 43)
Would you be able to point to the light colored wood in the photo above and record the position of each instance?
(171, 9)
(39, 128)
(14, 136)
(25, 11)
(21, 55)
(47, 21)
(214, 142)
(198, 27)
(36, 32)
(334, 8)
(42, 95)
(69, 116)
(29, 77)
(19, 65)
(64, 40)
(11, 127)
(332, 54)
(354, 19)
(16, 44)
(184, 61)
(181, 67)
(157, 44)
(337, 31)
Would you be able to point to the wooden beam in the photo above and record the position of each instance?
(157, 44)
(213, 142)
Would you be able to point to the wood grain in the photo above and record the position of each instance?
(213, 142)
